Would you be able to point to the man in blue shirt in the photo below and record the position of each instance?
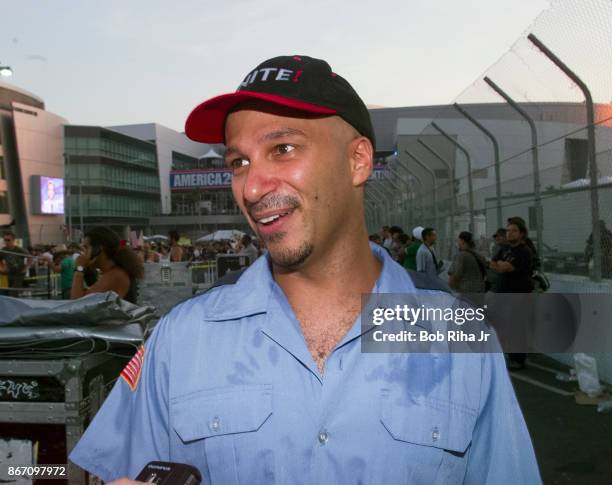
(261, 380)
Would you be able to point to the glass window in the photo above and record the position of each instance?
(94, 144)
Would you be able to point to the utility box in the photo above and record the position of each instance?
(51, 402)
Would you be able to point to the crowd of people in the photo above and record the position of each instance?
(509, 265)
(117, 265)
(506, 264)
(172, 251)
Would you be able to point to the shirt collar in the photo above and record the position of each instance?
(250, 294)
(247, 296)
(393, 277)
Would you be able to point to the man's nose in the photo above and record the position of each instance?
(261, 179)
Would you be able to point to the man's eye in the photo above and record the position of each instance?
(238, 163)
(284, 148)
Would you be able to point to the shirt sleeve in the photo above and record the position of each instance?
(501, 450)
(421, 261)
(131, 428)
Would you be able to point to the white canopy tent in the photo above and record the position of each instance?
(210, 154)
(155, 237)
(222, 235)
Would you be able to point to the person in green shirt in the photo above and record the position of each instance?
(64, 264)
(411, 251)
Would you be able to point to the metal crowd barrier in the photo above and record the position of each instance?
(203, 274)
(45, 286)
(39, 287)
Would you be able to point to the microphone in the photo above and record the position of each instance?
(167, 473)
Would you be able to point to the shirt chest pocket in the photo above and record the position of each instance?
(430, 439)
(223, 432)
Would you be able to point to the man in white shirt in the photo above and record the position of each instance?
(248, 249)
(426, 259)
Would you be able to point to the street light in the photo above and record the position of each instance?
(6, 71)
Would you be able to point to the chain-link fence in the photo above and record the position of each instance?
(531, 137)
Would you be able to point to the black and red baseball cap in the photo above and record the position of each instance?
(299, 82)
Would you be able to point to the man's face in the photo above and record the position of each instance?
(292, 178)
(432, 237)
(9, 242)
(513, 234)
(50, 191)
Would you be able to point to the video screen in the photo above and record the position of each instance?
(51, 195)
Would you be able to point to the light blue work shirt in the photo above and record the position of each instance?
(229, 385)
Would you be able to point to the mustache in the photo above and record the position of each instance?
(273, 202)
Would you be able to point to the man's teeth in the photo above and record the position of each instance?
(268, 220)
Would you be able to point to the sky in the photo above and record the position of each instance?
(116, 62)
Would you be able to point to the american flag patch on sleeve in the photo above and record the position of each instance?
(131, 372)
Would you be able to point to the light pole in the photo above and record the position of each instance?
(81, 206)
(68, 194)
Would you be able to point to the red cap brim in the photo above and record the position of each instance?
(206, 123)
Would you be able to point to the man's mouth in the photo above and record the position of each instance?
(272, 222)
(266, 221)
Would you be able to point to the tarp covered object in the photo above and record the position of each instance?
(100, 322)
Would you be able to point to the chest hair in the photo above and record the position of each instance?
(323, 331)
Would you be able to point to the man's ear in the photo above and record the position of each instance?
(362, 160)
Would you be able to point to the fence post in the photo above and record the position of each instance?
(453, 203)
(469, 170)
(435, 185)
(489, 135)
(535, 159)
(591, 153)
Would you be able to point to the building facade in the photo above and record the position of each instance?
(552, 197)
(195, 186)
(31, 168)
(112, 180)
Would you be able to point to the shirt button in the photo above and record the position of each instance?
(323, 437)
(435, 434)
(215, 424)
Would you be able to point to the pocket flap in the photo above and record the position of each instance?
(428, 422)
(221, 411)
